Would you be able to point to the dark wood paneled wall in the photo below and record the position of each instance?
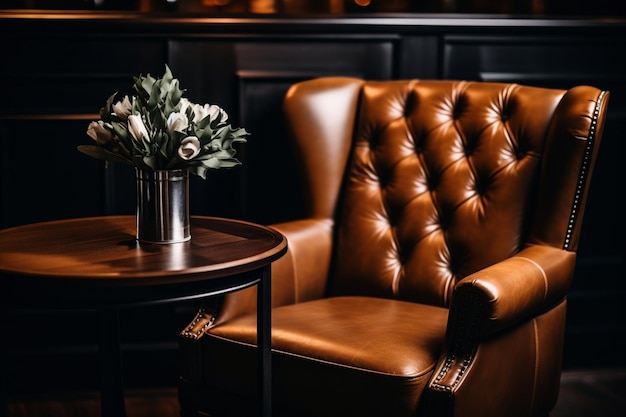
(58, 69)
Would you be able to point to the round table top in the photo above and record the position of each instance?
(101, 253)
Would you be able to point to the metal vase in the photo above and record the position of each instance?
(163, 206)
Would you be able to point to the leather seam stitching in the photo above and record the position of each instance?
(543, 274)
(468, 328)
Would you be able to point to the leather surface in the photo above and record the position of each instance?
(335, 361)
(440, 185)
(431, 274)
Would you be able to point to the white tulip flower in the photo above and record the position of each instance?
(189, 148)
(123, 109)
(217, 113)
(137, 128)
(99, 133)
(177, 122)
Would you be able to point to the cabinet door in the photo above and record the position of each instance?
(548, 61)
(248, 78)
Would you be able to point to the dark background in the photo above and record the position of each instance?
(58, 68)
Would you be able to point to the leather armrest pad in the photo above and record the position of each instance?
(520, 287)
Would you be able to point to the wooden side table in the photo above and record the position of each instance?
(96, 263)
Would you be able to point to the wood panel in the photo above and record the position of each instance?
(72, 74)
(43, 176)
(249, 78)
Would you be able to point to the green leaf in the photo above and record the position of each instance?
(157, 119)
(204, 135)
(147, 83)
(199, 170)
(105, 112)
(167, 77)
(121, 130)
(176, 93)
(229, 163)
(155, 95)
(151, 161)
(162, 141)
(99, 152)
(205, 124)
(238, 136)
(172, 144)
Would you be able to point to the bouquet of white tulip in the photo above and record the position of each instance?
(159, 129)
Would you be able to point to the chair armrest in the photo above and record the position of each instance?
(514, 290)
(298, 276)
(488, 303)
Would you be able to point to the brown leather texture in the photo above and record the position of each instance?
(430, 276)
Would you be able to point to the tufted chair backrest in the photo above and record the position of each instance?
(444, 178)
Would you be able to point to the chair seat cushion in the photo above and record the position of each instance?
(374, 359)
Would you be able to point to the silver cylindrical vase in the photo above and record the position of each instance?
(163, 206)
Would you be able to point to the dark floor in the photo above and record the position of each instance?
(584, 393)
(161, 402)
(592, 393)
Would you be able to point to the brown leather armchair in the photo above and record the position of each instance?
(431, 273)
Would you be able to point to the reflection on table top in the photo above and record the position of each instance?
(102, 254)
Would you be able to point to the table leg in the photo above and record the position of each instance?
(264, 335)
(111, 385)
